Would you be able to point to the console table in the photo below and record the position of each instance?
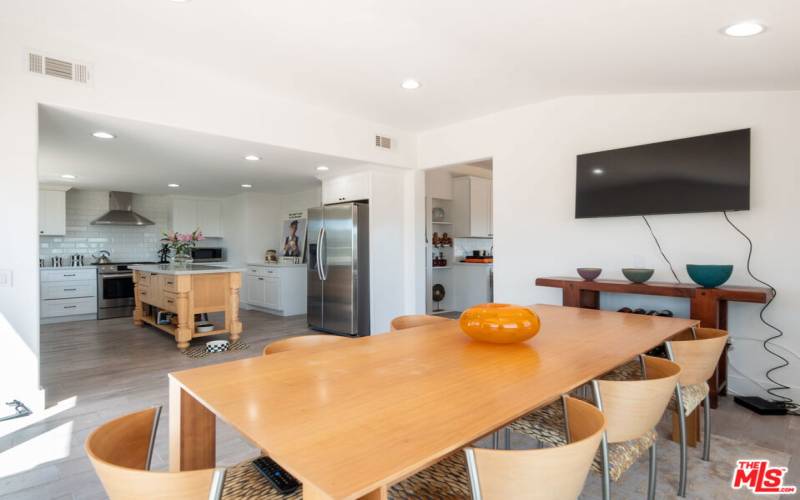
(709, 305)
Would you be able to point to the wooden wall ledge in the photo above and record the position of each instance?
(758, 295)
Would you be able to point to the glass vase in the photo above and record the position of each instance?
(182, 257)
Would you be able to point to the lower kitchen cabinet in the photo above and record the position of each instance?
(472, 285)
(67, 294)
(278, 289)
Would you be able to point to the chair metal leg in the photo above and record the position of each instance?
(707, 429)
(682, 430)
(606, 475)
(507, 438)
(651, 478)
(495, 440)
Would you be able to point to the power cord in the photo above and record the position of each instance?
(788, 402)
(660, 250)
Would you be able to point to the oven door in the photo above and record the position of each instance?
(114, 290)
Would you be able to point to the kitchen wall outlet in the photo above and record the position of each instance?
(6, 277)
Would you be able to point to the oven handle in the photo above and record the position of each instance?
(108, 276)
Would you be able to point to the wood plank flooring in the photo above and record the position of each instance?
(111, 368)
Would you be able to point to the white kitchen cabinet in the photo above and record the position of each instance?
(471, 285)
(472, 207)
(188, 214)
(346, 188)
(273, 292)
(67, 294)
(53, 211)
(277, 288)
(256, 290)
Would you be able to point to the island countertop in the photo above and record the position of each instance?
(187, 269)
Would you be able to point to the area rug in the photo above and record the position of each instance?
(199, 350)
(706, 480)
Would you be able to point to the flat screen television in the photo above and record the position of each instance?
(707, 173)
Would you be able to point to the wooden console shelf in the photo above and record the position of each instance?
(709, 305)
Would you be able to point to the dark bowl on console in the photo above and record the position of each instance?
(637, 275)
(709, 275)
(589, 273)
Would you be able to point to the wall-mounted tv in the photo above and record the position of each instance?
(707, 173)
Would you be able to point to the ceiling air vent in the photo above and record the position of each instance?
(383, 142)
(58, 68)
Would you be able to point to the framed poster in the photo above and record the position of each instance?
(293, 239)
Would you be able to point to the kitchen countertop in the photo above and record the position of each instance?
(71, 268)
(263, 264)
(475, 264)
(186, 269)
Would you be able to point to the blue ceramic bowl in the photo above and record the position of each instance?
(709, 275)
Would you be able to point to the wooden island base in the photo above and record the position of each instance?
(185, 294)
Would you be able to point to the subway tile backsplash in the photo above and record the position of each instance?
(126, 243)
(464, 246)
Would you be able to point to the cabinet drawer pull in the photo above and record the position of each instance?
(170, 282)
(260, 279)
(170, 301)
(69, 275)
(70, 289)
(70, 307)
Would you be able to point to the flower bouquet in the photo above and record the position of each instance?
(182, 244)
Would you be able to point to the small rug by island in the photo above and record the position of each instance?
(199, 350)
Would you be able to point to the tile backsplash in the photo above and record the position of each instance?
(465, 246)
(125, 243)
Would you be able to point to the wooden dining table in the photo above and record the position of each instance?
(351, 419)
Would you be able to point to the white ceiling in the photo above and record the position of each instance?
(472, 57)
(144, 158)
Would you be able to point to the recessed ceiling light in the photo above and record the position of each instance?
(103, 135)
(247, 185)
(598, 171)
(67, 176)
(322, 168)
(410, 84)
(252, 158)
(173, 185)
(747, 28)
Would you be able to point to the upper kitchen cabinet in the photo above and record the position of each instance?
(439, 184)
(188, 214)
(346, 188)
(53, 210)
(472, 207)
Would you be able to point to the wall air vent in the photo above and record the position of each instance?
(59, 68)
(383, 142)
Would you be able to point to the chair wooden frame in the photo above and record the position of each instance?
(302, 342)
(121, 451)
(698, 357)
(539, 473)
(633, 408)
(413, 321)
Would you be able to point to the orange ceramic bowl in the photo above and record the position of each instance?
(499, 323)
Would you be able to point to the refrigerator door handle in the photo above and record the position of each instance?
(323, 275)
(319, 254)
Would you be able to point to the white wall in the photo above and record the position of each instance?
(167, 93)
(536, 234)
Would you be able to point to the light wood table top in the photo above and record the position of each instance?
(353, 418)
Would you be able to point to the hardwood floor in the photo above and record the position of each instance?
(109, 368)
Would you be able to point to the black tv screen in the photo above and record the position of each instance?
(707, 173)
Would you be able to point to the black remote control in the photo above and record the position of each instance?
(280, 479)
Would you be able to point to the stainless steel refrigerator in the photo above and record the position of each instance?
(338, 269)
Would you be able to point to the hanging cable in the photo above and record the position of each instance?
(778, 332)
(660, 250)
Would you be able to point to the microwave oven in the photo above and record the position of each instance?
(208, 254)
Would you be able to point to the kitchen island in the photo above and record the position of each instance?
(183, 291)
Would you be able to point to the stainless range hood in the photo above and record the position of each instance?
(120, 212)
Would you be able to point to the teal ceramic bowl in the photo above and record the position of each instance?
(638, 275)
(709, 275)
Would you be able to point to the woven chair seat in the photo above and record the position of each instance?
(243, 481)
(547, 425)
(446, 479)
(692, 396)
(632, 370)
